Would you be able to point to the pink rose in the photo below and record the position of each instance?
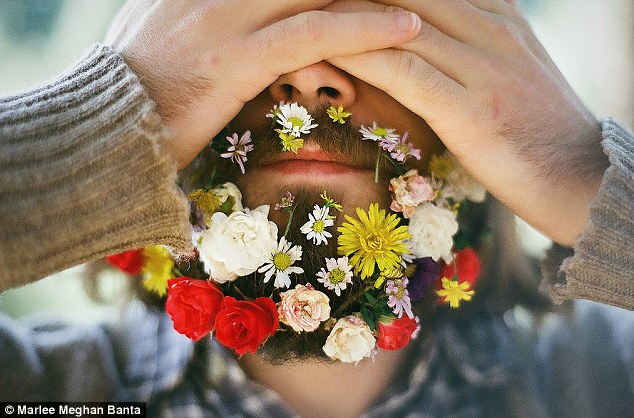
(303, 308)
(409, 191)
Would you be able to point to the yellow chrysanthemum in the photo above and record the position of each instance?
(373, 240)
(440, 166)
(157, 269)
(454, 292)
(337, 114)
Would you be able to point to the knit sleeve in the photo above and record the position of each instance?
(82, 174)
(601, 267)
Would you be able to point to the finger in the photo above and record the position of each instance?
(458, 19)
(311, 37)
(451, 57)
(410, 80)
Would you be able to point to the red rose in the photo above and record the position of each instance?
(468, 265)
(244, 325)
(396, 333)
(193, 305)
(130, 261)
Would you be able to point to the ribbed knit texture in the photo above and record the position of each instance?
(602, 267)
(82, 174)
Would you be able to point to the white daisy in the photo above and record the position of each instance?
(377, 133)
(294, 119)
(315, 227)
(338, 276)
(281, 262)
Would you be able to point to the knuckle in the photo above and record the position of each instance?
(504, 30)
(411, 67)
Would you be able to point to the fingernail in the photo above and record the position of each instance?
(408, 22)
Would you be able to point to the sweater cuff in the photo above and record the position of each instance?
(82, 174)
(601, 268)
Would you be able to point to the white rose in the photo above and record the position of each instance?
(236, 245)
(228, 190)
(461, 185)
(432, 230)
(350, 340)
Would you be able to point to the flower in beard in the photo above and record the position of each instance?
(289, 141)
(281, 262)
(422, 272)
(378, 133)
(376, 239)
(315, 227)
(409, 191)
(338, 276)
(403, 149)
(238, 149)
(432, 230)
(294, 119)
(398, 297)
(337, 114)
(303, 308)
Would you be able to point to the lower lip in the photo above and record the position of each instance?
(310, 168)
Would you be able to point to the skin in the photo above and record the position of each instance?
(471, 73)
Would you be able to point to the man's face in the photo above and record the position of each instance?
(333, 158)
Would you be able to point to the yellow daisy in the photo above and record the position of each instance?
(157, 269)
(373, 240)
(454, 292)
(289, 141)
(337, 114)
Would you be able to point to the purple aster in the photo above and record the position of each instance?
(238, 149)
(403, 149)
(425, 273)
(398, 297)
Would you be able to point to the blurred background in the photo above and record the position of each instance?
(592, 42)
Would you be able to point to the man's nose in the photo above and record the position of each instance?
(317, 85)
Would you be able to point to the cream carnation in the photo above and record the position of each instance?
(236, 245)
(409, 191)
(432, 230)
(461, 185)
(303, 308)
(350, 340)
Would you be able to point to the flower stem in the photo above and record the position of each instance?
(290, 220)
(376, 167)
(352, 299)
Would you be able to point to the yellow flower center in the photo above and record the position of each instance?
(318, 226)
(337, 276)
(296, 122)
(379, 131)
(281, 261)
(373, 242)
(404, 148)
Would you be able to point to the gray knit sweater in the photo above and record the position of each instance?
(82, 176)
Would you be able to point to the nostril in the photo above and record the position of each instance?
(329, 92)
(287, 91)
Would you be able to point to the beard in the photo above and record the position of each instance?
(341, 140)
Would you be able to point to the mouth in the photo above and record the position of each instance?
(311, 161)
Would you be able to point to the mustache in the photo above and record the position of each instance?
(333, 138)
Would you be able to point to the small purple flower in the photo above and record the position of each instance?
(398, 297)
(426, 272)
(239, 149)
(402, 149)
